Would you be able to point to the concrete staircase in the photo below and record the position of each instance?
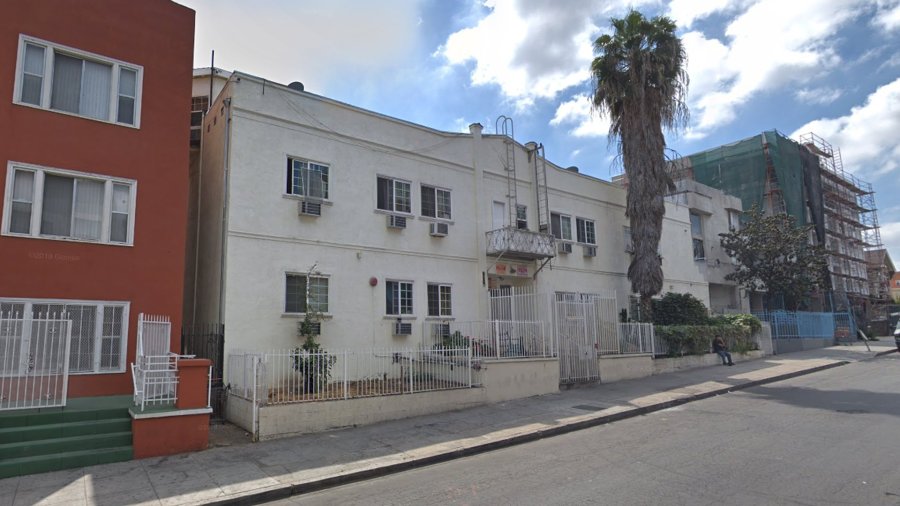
(88, 431)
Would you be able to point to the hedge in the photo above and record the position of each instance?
(697, 339)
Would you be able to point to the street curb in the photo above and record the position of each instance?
(880, 353)
(288, 490)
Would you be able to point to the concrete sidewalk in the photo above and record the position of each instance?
(252, 473)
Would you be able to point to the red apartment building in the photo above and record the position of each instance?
(94, 124)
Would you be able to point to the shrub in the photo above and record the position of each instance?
(679, 309)
(743, 320)
(697, 339)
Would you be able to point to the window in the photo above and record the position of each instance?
(51, 76)
(307, 179)
(521, 217)
(60, 204)
(99, 331)
(699, 253)
(734, 220)
(561, 226)
(439, 300)
(297, 291)
(199, 105)
(585, 231)
(399, 297)
(697, 236)
(394, 195)
(435, 202)
(696, 225)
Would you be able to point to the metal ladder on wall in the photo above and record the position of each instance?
(540, 186)
(504, 127)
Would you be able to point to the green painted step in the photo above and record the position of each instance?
(64, 444)
(68, 460)
(46, 417)
(65, 429)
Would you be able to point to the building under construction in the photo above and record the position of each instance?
(806, 179)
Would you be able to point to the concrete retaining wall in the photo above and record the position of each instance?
(501, 381)
(617, 368)
(664, 365)
(791, 345)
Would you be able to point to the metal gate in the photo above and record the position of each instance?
(208, 341)
(34, 360)
(585, 326)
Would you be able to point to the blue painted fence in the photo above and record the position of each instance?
(809, 325)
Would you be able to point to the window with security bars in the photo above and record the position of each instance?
(393, 195)
(399, 298)
(98, 332)
(295, 299)
(585, 231)
(307, 179)
(199, 105)
(435, 202)
(59, 78)
(60, 204)
(521, 217)
(439, 303)
(561, 226)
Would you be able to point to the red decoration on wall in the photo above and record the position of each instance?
(373, 281)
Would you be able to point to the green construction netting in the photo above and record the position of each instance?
(785, 155)
(739, 169)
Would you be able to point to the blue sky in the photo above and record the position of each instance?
(827, 66)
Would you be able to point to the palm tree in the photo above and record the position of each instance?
(640, 82)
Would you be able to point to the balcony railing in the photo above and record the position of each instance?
(512, 242)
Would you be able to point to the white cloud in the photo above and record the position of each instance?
(685, 12)
(867, 136)
(766, 49)
(888, 15)
(821, 96)
(890, 236)
(530, 49)
(578, 111)
(312, 42)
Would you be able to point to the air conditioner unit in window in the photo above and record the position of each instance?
(315, 328)
(402, 329)
(590, 251)
(564, 247)
(439, 229)
(309, 208)
(396, 221)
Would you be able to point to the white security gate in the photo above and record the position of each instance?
(155, 370)
(585, 328)
(34, 361)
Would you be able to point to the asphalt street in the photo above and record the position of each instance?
(831, 437)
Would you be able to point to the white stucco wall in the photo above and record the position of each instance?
(351, 244)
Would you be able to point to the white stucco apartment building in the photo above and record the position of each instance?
(393, 220)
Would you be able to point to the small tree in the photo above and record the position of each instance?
(310, 359)
(775, 255)
(679, 309)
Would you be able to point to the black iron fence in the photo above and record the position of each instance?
(207, 340)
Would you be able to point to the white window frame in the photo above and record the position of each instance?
(562, 230)
(37, 202)
(422, 188)
(327, 186)
(440, 288)
(412, 298)
(98, 328)
(50, 49)
(394, 182)
(521, 217)
(734, 220)
(284, 301)
(582, 223)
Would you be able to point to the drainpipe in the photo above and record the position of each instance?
(480, 241)
(226, 162)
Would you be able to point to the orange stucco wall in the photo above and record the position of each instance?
(158, 35)
(153, 437)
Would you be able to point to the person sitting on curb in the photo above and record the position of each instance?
(722, 350)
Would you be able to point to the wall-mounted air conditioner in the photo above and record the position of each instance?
(402, 329)
(564, 247)
(396, 221)
(305, 208)
(439, 229)
(590, 251)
